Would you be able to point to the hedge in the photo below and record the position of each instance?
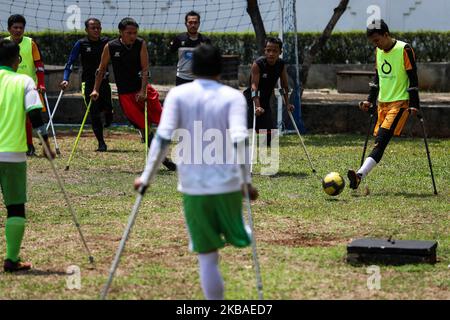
(342, 47)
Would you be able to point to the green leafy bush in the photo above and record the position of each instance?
(342, 47)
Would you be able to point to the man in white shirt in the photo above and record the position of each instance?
(211, 184)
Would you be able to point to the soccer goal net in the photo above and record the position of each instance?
(162, 15)
(279, 16)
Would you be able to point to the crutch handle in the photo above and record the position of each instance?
(142, 189)
(416, 113)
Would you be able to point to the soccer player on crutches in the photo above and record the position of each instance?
(212, 193)
(90, 49)
(393, 96)
(31, 64)
(129, 58)
(18, 99)
(265, 73)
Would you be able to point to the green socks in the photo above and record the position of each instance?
(14, 230)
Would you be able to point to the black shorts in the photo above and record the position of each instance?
(264, 121)
(104, 101)
(179, 81)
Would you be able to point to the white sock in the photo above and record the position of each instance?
(367, 166)
(210, 278)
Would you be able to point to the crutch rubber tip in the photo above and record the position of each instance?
(67, 168)
(435, 193)
(91, 259)
(58, 152)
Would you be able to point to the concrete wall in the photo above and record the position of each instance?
(354, 81)
(345, 118)
(319, 117)
(432, 76)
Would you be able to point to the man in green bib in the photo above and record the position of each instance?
(395, 86)
(18, 98)
(31, 63)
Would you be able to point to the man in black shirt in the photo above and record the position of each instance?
(90, 48)
(129, 57)
(265, 72)
(185, 44)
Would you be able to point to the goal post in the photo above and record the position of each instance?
(288, 33)
(219, 16)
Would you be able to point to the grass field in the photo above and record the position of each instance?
(301, 232)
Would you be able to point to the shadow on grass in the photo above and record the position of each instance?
(281, 174)
(161, 172)
(37, 156)
(336, 200)
(396, 194)
(37, 272)
(323, 140)
(124, 151)
(415, 195)
(350, 140)
(361, 194)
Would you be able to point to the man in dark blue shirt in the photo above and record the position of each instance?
(90, 48)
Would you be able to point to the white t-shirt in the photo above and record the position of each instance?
(209, 117)
(31, 101)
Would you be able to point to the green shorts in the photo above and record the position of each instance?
(214, 220)
(13, 182)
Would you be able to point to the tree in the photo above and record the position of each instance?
(258, 24)
(318, 44)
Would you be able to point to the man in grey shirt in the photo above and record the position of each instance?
(184, 44)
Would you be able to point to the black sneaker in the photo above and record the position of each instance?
(355, 179)
(9, 266)
(102, 147)
(31, 151)
(169, 164)
(108, 118)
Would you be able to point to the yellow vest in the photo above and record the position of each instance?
(26, 52)
(12, 111)
(392, 74)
